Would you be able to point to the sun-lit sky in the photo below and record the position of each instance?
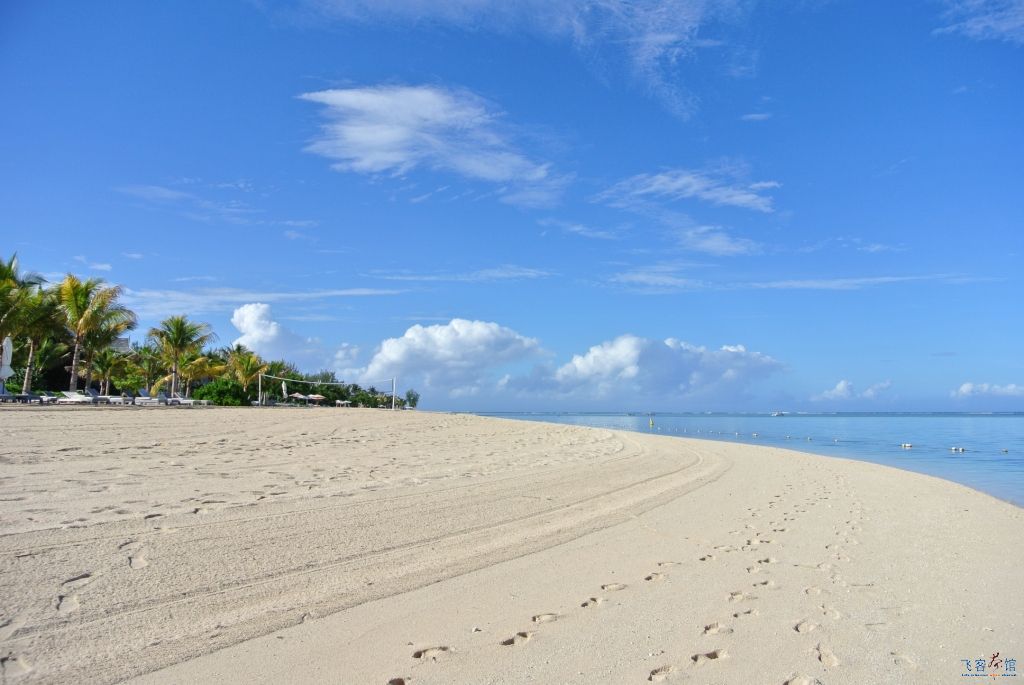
(604, 205)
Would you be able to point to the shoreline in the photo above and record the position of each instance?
(318, 545)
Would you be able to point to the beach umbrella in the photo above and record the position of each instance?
(284, 389)
(5, 360)
(315, 398)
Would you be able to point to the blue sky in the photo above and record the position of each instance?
(679, 205)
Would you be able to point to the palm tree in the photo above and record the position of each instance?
(177, 336)
(37, 319)
(48, 354)
(14, 287)
(107, 363)
(87, 307)
(194, 367)
(148, 360)
(245, 366)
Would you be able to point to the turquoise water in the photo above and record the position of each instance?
(983, 465)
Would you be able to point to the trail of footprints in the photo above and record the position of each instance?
(740, 599)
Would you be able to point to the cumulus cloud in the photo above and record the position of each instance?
(268, 338)
(875, 390)
(715, 187)
(653, 38)
(988, 389)
(396, 129)
(843, 390)
(669, 372)
(986, 19)
(458, 358)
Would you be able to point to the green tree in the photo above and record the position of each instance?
(38, 319)
(245, 366)
(86, 307)
(14, 286)
(176, 337)
(105, 365)
(412, 398)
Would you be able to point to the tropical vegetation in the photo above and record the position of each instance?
(74, 334)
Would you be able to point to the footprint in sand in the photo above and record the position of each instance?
(11, 626)
(746, 614)
(655, 577)
(717, 628)
(613, 587)
(397, 681)
(716, 655)
(67, 603)
(14, 667)
(802, 680)
(431, 653)
(831, 612)
(768, 560)
(592, 602)
(666, 564)
(708, 557)
(545, 618)
(826, 656)
(903, 660)
(518, 639)
(740, 596)
(766, 583)
(75, 582)
(805, 626)
(660, 675)
(813, 590)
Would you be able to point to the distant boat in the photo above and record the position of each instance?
(778, 413)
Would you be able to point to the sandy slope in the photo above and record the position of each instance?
(356, 546)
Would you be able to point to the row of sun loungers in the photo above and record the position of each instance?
(90, 396)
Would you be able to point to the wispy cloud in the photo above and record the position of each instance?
(193, 206)
(651, 40)
(501, 273)
(579, 229)
(95, 266)
(986, 19)
(132, 255)
(714, 240)
(657, 279)
(394, 130)
(715, 187)
(856, 283)
(156, 303)
(756, 116)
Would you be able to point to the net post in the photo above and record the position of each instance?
(394, 389)
(259, 391)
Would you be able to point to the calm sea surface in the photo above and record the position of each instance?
(992, 460)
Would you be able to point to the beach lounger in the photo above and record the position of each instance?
(98, 398)
(74, 398)
(187, 401)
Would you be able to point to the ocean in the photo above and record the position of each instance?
(992, 459)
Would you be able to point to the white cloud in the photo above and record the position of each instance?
(843, 390)
(132, 255)
(653, 38)
(459, 358)
(396, 129)
(713, 240)
(990, 389)
(160, 303)
(875, 390)
(756, 116)
(657, 278)
(986, 19)
(682, 184)
(667, 372)
(271, 340)
(856, 283)
(508, 272)
(579, 229)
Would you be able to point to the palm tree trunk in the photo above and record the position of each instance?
(88, 372)
(174, 378)
(73, 383)
(26, 385)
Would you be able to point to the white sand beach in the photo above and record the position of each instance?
(364, 546)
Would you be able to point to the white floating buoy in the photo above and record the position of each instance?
(755, 435)
(906, 445)
(957, 449)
